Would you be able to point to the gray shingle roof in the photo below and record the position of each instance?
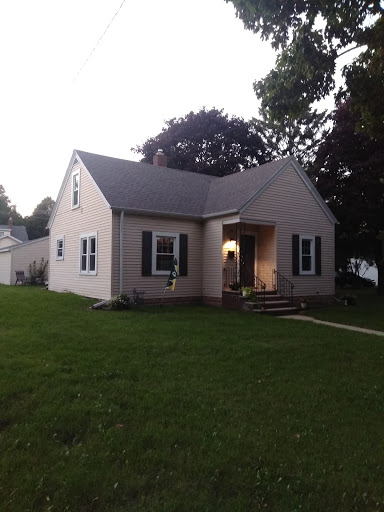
(19, 232)
(134, 185)
(233, 191)
(139, 186)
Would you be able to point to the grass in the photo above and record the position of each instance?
(184, 409)
(368, 312)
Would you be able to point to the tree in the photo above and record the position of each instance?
(207, 142)
(310, 35)
(8, 210)
(348, 171)
(299, 138)
(36, 224)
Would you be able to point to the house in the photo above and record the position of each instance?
(117, 225)
(12, 235)
(19, 256)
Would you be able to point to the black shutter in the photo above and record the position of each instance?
(295, 255)
(146, 256)
(318, 255)
(183, 255)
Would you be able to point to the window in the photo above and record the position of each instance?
(165, 247)
(307, 254)
(2, 233)
(60, 247)
(76, 189)
(88, 254)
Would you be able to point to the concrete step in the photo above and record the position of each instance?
(273, 304)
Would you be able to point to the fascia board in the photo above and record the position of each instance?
(93, 181)
(307, 182)
(61, 191)
(155, 213)
(269, 182)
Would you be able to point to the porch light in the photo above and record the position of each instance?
(231, 245)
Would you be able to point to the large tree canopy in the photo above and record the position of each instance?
(349, 173)
(310, 35)
(298, 137)
(7, 209)
(37, 223)
(207, 142)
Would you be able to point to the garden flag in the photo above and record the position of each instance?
(171, 283)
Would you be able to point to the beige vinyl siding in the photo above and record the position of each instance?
(6, 241)
(153, 286)
(5, 268)
(93, 215)
(24, 255)
(290, 204)
(212, 258)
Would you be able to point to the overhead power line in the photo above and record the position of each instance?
(98, 42)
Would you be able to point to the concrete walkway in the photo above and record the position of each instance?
(332, 324)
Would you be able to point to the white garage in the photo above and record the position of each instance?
(20, 256)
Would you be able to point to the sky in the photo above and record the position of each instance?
(156, 61)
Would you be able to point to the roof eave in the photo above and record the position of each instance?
(155, 213)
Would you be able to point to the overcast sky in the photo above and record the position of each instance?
(158, 60)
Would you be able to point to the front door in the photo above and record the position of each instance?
(247, 260)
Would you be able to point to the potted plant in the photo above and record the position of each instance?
(303, 303)
(246, 290)
(235, 286)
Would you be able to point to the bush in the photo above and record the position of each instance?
(352, 280)
(121, 302)
(349, 300)
(38, 274)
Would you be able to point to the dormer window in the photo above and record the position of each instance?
(76, 189)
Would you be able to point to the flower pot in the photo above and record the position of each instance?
(304, 305)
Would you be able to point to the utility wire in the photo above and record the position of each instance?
(98, 42)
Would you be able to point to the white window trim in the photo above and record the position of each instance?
(88, 272)
(74, 206)
(311, 272)
(58, 238)
(156, 234)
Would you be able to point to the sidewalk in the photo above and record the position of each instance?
(332, 324)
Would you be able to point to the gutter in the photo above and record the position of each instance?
(121, 253)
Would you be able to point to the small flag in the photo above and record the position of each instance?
(171, 283)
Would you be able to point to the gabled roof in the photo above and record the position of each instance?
(19, 246)
(18, 232)
(138, 186)
(144, 188)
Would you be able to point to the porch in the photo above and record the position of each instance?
(249, 255)
(249, 260)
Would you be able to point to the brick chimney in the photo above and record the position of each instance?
(10, 224)
(160, 159)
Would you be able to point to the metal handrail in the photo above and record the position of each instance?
(258, 285)
(282, 285)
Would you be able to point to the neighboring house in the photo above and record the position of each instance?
(117, 225)
(19, 256)
(12, 235)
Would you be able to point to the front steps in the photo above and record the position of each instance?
(274, 305)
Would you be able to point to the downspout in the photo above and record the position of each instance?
(121, 252)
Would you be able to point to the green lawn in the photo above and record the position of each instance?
(368, 312)
(184, 409)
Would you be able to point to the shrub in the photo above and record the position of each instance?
(350, 279)
(121, 302)
(253, 297)
(38, 273)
